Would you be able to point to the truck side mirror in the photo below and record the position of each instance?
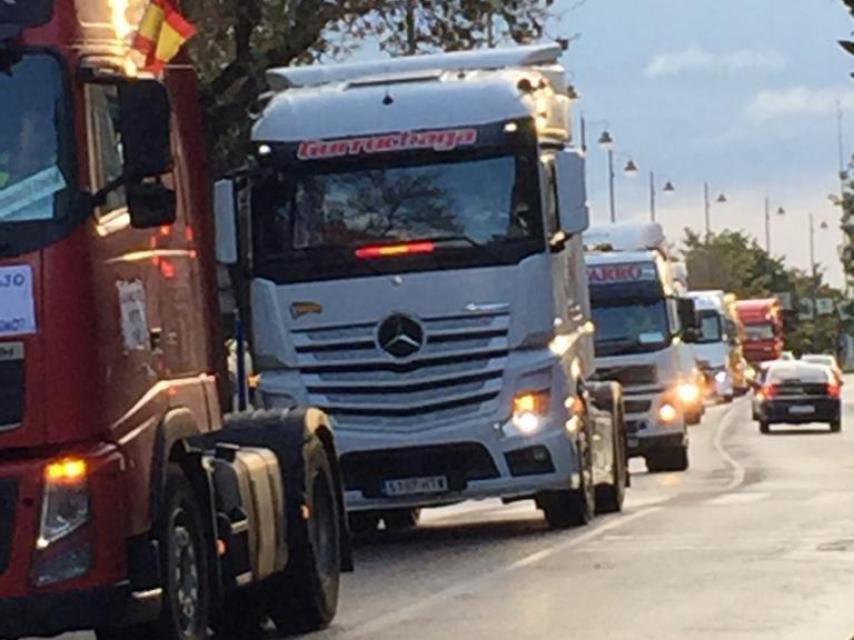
(688, 319)
(150, 205)
(226, 222)
(145, 115)
(572, 191)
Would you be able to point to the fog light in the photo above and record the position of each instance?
(721, 376)
(62, 566)
(668, 413)
(65, 502)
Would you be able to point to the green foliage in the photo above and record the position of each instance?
(734, 262)
(239, 40)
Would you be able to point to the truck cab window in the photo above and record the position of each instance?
(105, 145)
(550, 206)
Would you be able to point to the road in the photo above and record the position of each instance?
(755, 541)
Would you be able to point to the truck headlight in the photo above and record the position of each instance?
(667, 413)
(529, 409)
(65, 504)
(688, 393)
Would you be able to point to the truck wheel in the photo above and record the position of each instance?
(764, 427)
(401, 519)
(666, 460)
(305, 597)
(610, 496)
(573, 507)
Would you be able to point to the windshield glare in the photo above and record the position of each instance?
(485, 200)
(629, 327)
(710, 328)
(32, 171)
(759, 332)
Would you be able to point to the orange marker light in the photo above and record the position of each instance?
(66, 471)
(531, 402)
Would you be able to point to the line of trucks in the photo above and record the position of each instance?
(431, 318)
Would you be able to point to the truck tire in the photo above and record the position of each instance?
(667, 460)
(363, 522)
(573, 507)
(305, 597)
(184, 565)
(611, 495)
(764, 427)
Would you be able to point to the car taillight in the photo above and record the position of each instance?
(834, 390)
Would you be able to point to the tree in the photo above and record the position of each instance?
(734, 262)
(240, 39)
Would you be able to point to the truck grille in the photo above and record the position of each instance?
(629, 375)
(637, 406)
(8, 506)
(456, 374)
(12, 390)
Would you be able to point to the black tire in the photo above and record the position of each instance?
(836, 425)
(611, 496)
(184, 565)
(305, 597)
(668, 460)
(401, 519)
(573, 507)
(764, 427)
(242, 616)
(729, 398)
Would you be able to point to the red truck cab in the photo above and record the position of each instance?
(110, 356)
(763, 329)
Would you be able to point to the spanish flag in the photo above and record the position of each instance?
(162, 33)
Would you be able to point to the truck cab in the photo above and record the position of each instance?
(641, 326)
(416, 270)
(763, 329)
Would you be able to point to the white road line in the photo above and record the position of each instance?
(731, 499)
(738, 471)
(389, 620)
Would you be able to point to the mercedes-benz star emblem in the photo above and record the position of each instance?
(400, 336)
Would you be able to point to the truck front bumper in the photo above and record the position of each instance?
(477, 461)
(49, 614)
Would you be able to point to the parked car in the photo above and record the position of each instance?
(797, 393)
(826, 360)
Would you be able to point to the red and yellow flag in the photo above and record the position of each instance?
(161, 34)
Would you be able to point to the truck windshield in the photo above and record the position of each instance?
(315, 221)
(34, 170)
(759, 332)
(631, 327)
(710, 327)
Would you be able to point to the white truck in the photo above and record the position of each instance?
(713, 349)
(642, 326)
(412, 248)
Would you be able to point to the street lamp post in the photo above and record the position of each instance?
(721, 199)
(780, 212)
(814, 276)
(668, 188)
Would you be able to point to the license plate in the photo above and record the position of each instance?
(802, 410)
(414, 486)
(633, 443)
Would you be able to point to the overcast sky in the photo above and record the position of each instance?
(739, 93)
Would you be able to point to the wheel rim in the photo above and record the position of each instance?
(324, 533)
(185, 577)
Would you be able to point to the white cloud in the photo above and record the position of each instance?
(797, 101)
(696, 59)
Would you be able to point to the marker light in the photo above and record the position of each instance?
(528, 409)
(688, 393)
(65, 503)
(393, 250)
(67, 471)
(667, 413)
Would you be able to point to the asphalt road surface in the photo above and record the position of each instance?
(755, 541)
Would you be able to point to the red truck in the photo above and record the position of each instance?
(129, 503)
(763, 329)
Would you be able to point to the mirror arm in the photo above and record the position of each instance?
(99, 198)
